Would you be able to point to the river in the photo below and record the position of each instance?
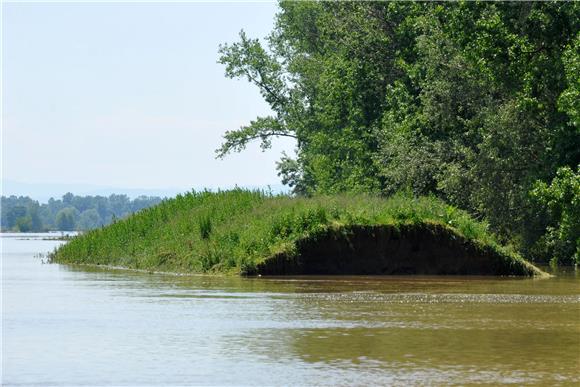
(66, 325)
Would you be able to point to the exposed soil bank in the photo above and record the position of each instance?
(385, 249)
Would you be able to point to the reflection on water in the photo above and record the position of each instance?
(69, 325)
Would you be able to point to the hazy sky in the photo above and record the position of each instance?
(128, 95)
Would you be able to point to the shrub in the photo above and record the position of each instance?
(562, 200)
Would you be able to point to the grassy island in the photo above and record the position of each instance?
(250, 232)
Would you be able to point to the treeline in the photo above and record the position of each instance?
(72, 212)
(477, 103)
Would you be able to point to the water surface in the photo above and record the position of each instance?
(66, 325)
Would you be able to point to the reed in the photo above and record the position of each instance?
(233, 231)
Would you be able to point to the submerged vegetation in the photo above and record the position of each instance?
(237, 231)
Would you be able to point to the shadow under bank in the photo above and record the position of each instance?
(426, 249)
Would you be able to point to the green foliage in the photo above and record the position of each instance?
(89, 219)
(562, 199)
(89, 211)
(569, 100)
(297, 224)
(470, 101)
(35, 219)
(204, 226)
(24, 224)
(66, 219)
(247, 227)
(21, 214)
(474, 120)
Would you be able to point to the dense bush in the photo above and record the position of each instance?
(561, 242)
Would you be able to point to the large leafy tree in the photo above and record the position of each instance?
(471, 101)
(325, 76)
(476, 119)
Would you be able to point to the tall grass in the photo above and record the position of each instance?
(233, 231)
(204, 226)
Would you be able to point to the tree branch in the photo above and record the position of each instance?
(263, 128)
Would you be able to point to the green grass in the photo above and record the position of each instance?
(234, 231)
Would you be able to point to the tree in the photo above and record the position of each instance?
(469, 101)
(323, 76)
(13, 214)
(89, 219)
(561, 242)
(39, 217)
(476, 122)
(24, 224)
(66, 219)
(35, 221)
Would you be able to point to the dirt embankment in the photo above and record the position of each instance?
(412, 249)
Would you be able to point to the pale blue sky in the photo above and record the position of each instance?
(128, 95)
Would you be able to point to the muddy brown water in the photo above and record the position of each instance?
(64, 325)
